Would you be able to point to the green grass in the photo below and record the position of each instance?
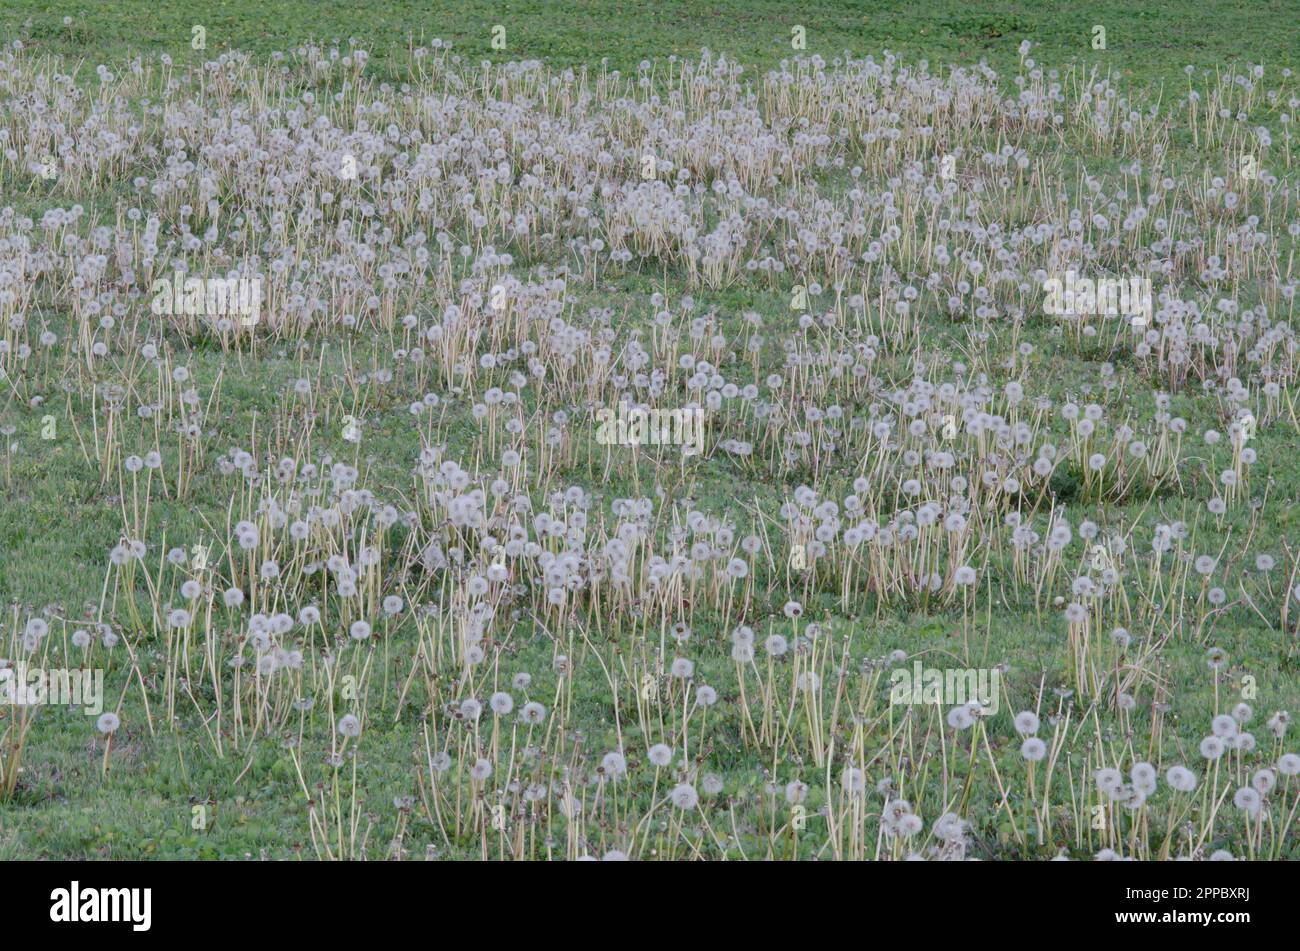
(57, 521)
(1146, 43)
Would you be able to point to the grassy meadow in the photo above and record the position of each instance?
(366, 577)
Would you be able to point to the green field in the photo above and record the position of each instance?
(766, 188)
(1146, 43)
